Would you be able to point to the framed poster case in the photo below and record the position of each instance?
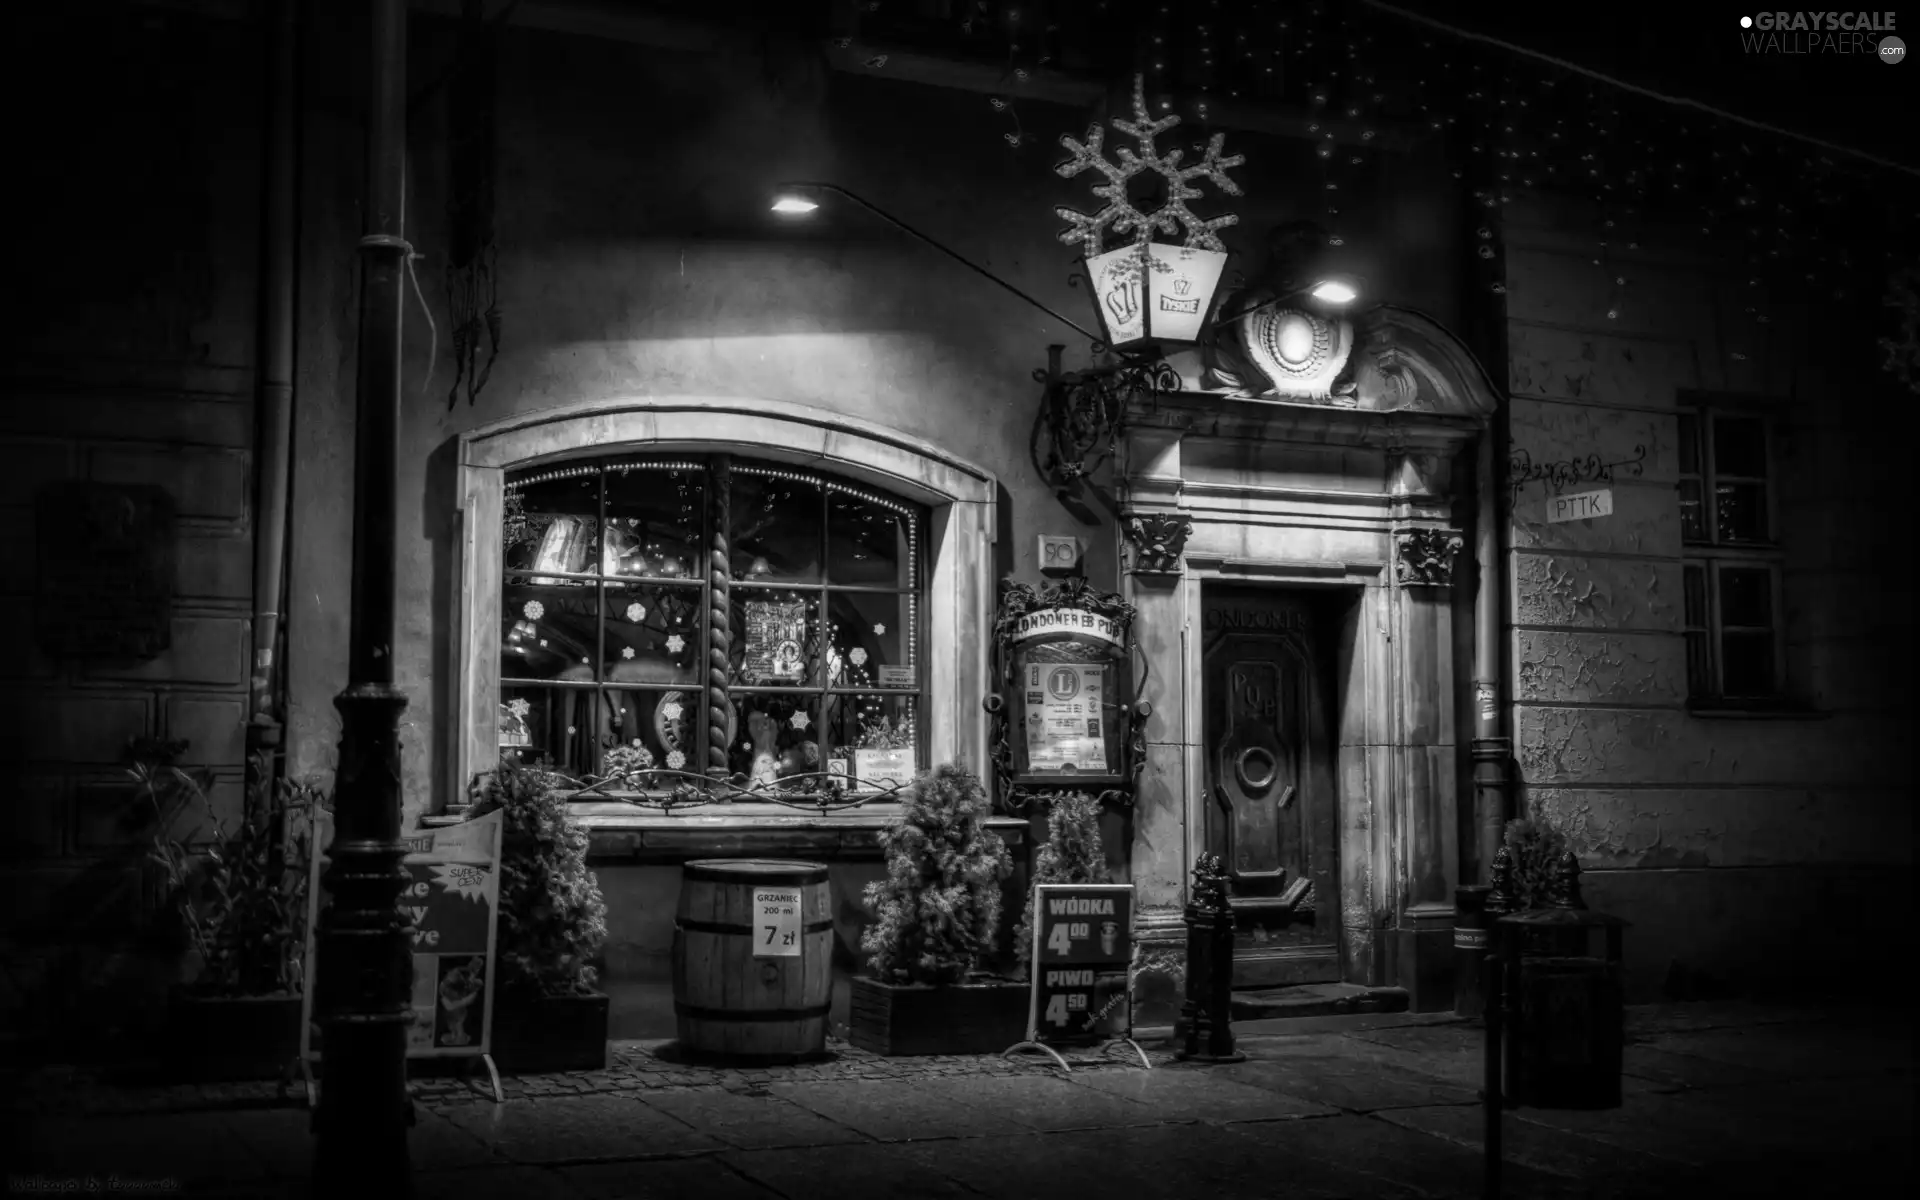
(1067, 715)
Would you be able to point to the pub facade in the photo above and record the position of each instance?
(733, 491)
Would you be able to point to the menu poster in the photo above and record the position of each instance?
(1063, 717)
(1082, 948)
(776, 632)
(451, 898)
(883, 768)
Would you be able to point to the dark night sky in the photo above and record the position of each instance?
(1694, 51)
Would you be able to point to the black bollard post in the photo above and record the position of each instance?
(1207, 1016)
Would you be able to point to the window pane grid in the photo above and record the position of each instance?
(576, 733)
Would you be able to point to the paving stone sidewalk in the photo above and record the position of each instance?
(1720, 1100)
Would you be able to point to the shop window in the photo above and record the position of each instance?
(609, 629)
(1732, 578)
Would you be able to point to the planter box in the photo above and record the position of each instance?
(228, 1039)
(550, 1033)
(978, 1017)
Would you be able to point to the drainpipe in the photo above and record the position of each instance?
(1486, 315)
(274, 436)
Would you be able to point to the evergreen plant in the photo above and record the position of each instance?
(938, 910)
(1534, 847)
(552, 918)
(1072, 854)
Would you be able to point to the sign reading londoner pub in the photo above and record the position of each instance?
(1082, 949)
(1055, 622)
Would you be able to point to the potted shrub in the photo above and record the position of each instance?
(552, 923)
(237, 897)
(1072, 854)
(937, 914)
(1533, 850)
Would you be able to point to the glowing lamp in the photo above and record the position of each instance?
(1152, 293)
(1334, 291)
(793, 205)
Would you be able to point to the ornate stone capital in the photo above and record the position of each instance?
(1424, 557)
(1158, 539)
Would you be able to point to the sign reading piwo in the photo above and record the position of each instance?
(1082, 947)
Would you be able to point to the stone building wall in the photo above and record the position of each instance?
(1750, 851)
(134, 287)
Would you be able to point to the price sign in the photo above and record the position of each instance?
(776, 923)
(1082, 948)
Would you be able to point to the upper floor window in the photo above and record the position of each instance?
(1725, 478)
(636, 589)
(1731, 570)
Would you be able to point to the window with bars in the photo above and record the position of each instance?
(1731, 569)
(618, 624)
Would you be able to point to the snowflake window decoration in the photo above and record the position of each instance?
(800, 720)
(626, 652)
(676, 643)
(675, 760)
(671, 710)
(636, 613)
(880, 631)
(534, 611)
(1171, 218)
(858, 655)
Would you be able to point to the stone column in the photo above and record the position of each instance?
(1424, 766)
(1156, 531)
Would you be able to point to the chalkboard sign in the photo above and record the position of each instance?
(105, 570)
(1082, 950)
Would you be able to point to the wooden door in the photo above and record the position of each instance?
(1272, 804)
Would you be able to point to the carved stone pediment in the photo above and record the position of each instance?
(1424, 557)
(1158, 541)
(1404, 361)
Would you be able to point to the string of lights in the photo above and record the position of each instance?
(1811, 219)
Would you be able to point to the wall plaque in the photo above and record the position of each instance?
(105, 570)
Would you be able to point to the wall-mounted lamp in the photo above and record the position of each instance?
(793, 205)
(1335, 291)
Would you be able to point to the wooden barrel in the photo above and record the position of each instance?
(753, 977)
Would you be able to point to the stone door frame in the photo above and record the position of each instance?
(1316, 495)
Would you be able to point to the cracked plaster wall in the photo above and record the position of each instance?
(1658, 803)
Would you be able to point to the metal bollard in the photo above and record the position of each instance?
(1207, 1016)
(1472, 942)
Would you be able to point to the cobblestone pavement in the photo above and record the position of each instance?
(1735, 1100)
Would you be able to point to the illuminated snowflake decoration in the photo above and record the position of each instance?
(800, 720)
(676, 643)
(880, 631)
(636, 613)
(675, 760)
(626, 652)
(671, 710)
(1119, 215)
(571, 730)
(534, 611)
(858, 655)
(518, 708)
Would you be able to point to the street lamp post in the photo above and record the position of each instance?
(364, 976)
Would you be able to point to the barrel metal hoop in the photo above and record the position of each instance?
(692, 926)
(731, 871)
(696, 1012)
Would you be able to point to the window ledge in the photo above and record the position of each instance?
(1784, 711)
(623, 833)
